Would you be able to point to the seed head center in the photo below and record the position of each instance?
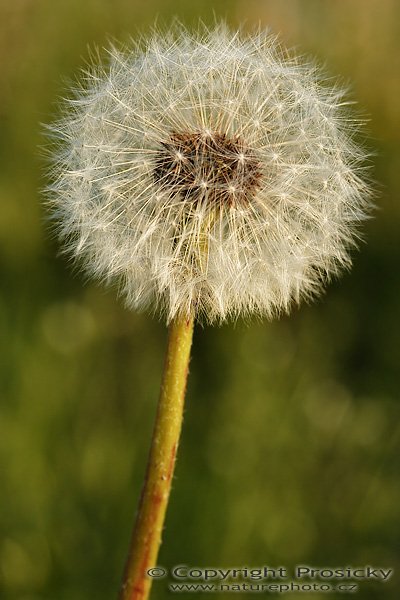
(208, 167)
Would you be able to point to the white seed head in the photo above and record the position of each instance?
(209, 173)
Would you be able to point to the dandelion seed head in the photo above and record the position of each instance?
(209, 173)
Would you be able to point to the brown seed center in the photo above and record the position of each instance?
(208, 167)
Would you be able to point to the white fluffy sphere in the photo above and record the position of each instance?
(209, 173)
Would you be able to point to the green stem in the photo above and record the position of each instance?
(146, 537)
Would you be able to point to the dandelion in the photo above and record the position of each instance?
(210, 175)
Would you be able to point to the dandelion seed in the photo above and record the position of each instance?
(162, 160)
(210, 175)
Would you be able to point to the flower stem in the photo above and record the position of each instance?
(146, 537)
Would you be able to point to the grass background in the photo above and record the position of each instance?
(290, 445)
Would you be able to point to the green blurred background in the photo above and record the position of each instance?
(290, 441)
